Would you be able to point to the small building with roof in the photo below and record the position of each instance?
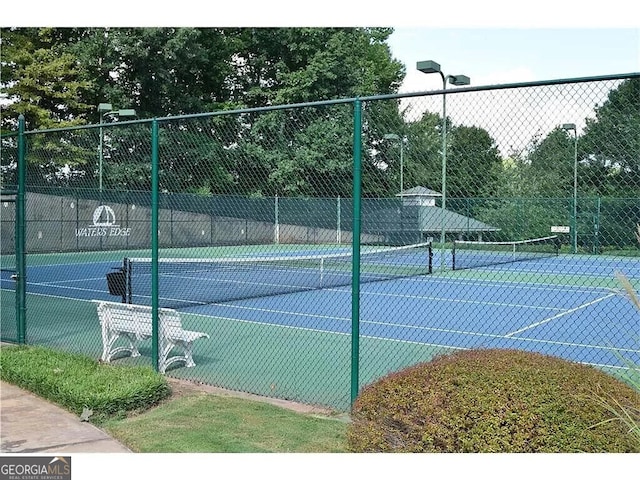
(420, 214)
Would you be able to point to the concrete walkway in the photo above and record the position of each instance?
(30, 424)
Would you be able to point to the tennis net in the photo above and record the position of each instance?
(470, 254)
(184, 282)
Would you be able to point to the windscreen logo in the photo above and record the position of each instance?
(35, 468)
(104, 225)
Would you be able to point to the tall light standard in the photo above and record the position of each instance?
(429, 66)
(106, 110)
(574, 218)
(396, 137)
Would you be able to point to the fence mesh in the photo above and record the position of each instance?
(510, 163)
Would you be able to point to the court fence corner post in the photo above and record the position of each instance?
(355, 243)
(155, 186)
(21, 256)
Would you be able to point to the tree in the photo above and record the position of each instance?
(424, 157)
(550, 165)
(171, 71)
(611, 143)
(472, 163)
(296, 65)
(41, 79)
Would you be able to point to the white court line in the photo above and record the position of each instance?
(371, 322)
(400, 325)
(566, 312)
(298, 327)
(458, 300)
(552, 272)
(57, 282)
(50, 285)
(579, 345)
(346, 290)
(73, 264)
(512, 284)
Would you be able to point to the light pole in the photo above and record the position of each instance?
(105, 110)
(574, 218)
(429, 66)
(396, 137)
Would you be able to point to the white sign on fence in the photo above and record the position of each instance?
(560, 229)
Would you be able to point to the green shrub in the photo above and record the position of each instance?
(77, 382)
(491, 401)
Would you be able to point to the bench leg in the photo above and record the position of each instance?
(109, 338)
(165, 349)
(106, 345)
(187, 357)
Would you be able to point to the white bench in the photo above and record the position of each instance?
(133, 323)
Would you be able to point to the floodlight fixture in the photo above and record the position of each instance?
(106, 110)
(459, 80)
(104, 107)
(127, 112)
(429, 66)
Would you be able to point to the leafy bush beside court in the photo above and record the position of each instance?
(78, 383)
(492, 401)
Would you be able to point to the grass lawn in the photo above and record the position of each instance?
(200, 422)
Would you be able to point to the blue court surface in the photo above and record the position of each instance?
(570, 306)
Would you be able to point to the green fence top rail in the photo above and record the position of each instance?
(392, 96)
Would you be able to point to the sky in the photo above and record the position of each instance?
(490, 41)
(506, 55)
(501, 55)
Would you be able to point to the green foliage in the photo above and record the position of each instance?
(56, 77)
(612, 140)
(491, 401)
(77, 383)
(472, 163)
(42, 79)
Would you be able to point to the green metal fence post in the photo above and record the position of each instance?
(21, 254)
(276, 234)
(338, 223)
(596, 228)
(155, 183)
(355, 245)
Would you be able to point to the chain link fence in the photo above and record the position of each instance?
(317, 244)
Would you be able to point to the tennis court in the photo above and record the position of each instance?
(300, 340)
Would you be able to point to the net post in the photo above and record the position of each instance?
(126, 268)
(453, 255)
